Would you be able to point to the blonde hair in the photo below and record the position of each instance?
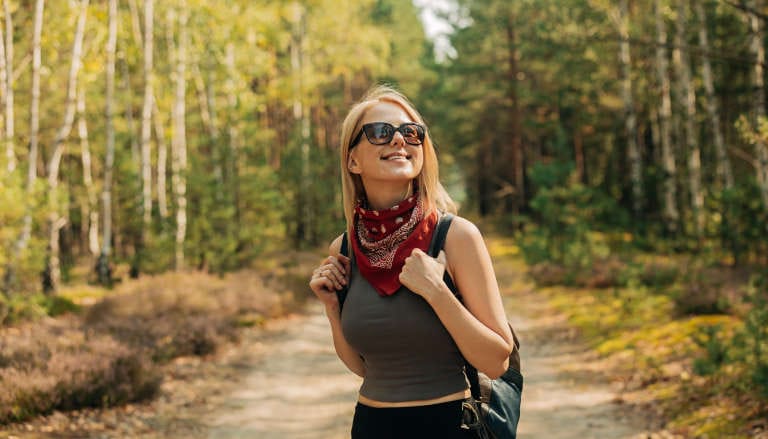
(432, 193)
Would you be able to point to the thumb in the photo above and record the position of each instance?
(441, 257)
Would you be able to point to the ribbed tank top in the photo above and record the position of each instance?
(408, 353)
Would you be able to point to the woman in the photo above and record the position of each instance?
(402, 329)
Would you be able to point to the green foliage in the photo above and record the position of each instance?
(709, 339)
(746, 347)
(566, 220)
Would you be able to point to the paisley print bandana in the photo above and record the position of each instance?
(384, 238)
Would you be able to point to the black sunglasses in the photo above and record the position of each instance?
(381, 133)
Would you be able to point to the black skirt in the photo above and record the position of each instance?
(441, 421)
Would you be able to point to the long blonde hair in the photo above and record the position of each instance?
(432, 193)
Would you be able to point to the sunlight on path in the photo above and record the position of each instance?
(298, 388)
(562, 398)
(558, 407)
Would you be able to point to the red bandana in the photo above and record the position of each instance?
(386, 237)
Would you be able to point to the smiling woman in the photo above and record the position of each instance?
(403, 330)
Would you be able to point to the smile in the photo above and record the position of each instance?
(396, 156)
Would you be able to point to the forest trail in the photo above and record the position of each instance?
(298, 388)
(284, 381)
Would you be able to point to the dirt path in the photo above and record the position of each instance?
(297, 388)
(285, 381)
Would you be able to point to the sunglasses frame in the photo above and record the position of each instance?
(398, 129)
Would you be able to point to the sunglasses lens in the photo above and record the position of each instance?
(379, 133)
(412, 133)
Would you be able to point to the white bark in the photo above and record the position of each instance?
(724, 170)
(162, 162)
(687, 95)
(630, 118)
(91, 209)
(179, 140)
(146, 115)
(671, 213)
(34, 129)
(6, 80)
(55, 221)
(106, 196)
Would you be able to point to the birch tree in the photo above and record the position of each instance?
(630, 118)
(146, 116)
(90, 211)
(724, 170)
(103, 268)
(665, 113)
(34, 130)
(687, 95)
(6, 82)
(55, 220)
(179, 138)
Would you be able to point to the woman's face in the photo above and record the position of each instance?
(392, 162)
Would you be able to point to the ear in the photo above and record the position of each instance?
(353, 165)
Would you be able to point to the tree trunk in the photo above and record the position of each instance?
(52, 275)
(724, 170)
(9, 277)
(207, 113)
(630, 118)
(301, 117)
(103, 269)
(91, 210)
(515, 173)
(758, 82)
(179, 140)
(146, 117)
(233, 164)
(671, 214)
(687, 96)
(162, 162)
(6, 78)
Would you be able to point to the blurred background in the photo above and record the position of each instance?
(622, 145)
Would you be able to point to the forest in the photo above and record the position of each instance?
(622, 145)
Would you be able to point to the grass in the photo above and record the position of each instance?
(638, 329)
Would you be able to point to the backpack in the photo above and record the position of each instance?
(494, 409)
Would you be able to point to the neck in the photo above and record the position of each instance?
(386, 196)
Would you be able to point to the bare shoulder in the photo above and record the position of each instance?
(463, 232)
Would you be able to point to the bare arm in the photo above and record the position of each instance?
(480, 329)
(330, 276)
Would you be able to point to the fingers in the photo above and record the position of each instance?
(331, 275)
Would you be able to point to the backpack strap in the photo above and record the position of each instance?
(342, 293)
(437, 244)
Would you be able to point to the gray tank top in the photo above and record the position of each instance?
(408, 353)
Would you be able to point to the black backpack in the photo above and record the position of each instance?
(495, 409)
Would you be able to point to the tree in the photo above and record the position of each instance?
(52, 274)
(687, 95)
(669, 166)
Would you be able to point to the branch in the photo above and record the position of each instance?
(744, 155)
(743, 7)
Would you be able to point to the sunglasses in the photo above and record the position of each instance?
(381, 133)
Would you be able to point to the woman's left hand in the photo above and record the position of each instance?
(423, 274)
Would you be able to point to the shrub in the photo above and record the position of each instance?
(52, 366)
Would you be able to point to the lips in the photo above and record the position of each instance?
(396, 156)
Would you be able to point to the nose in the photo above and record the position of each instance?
(397, 139)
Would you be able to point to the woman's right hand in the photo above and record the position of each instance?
(332, 275)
